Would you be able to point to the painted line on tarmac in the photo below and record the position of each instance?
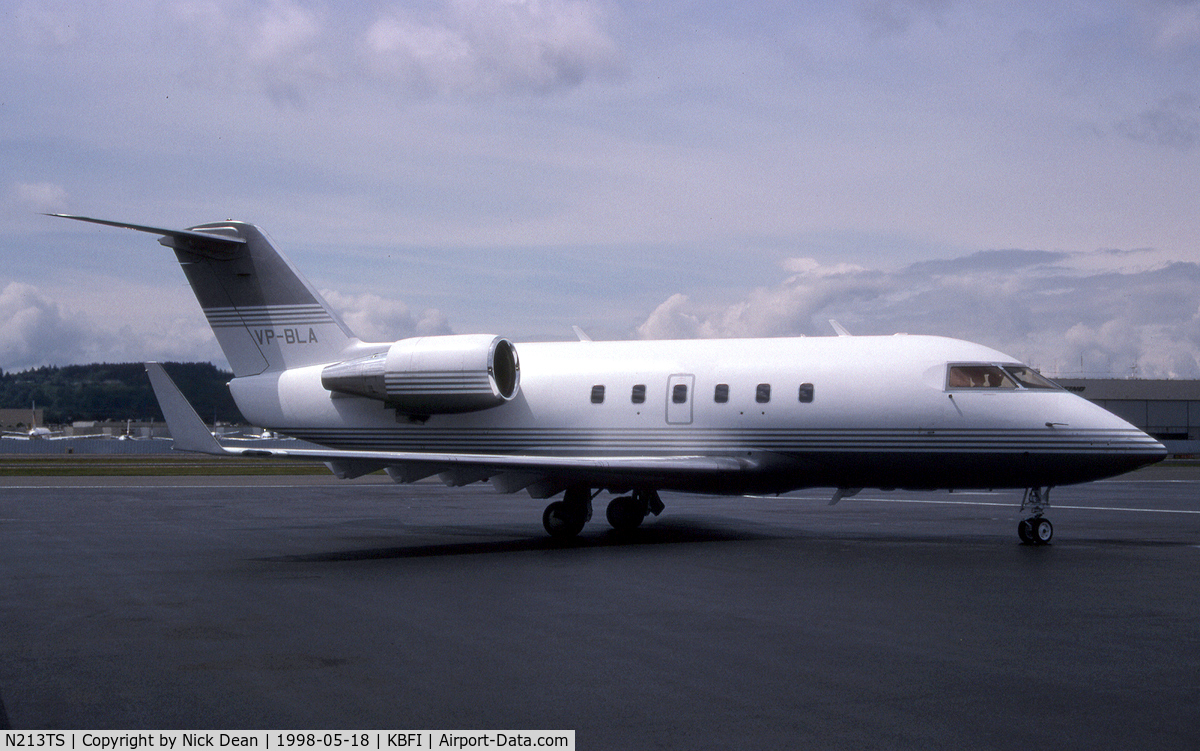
(1051, 506)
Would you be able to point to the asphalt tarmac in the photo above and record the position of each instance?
(892, 620)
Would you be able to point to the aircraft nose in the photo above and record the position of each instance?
(1132, 448)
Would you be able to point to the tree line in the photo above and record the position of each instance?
(118, 392)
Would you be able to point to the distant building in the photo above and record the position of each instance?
(117, 428)
(1167, 410)
(18, 419)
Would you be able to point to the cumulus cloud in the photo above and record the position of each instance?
(35, 330)
(283, 48)
(290, 49)
(486, 46)
(1053, 310)
(767, 311)
(376, 319)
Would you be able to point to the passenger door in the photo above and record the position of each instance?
(679, 398)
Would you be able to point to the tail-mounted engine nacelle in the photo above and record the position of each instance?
(430, 375)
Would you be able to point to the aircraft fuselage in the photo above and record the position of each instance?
(802, 412)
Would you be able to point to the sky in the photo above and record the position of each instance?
(1023, 174)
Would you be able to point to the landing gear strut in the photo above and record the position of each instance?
(565, 518)
(1036, 530)
(627, 512)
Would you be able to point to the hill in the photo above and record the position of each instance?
(116, 392)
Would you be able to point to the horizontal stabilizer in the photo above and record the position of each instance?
(204, 243)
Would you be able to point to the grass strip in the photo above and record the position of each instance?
(98, 465)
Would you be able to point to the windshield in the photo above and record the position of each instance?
(989, 376)
(1029, 378)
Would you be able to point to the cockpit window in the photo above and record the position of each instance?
(979, 377)
(988, 376)
(1029, 378)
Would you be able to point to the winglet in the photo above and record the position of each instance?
(839, 328)
(187, 429)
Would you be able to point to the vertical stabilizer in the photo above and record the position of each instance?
(264, 313)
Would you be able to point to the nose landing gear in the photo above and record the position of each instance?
(1036, 530)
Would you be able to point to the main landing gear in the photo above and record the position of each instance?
(1036, 530)
(565, 518)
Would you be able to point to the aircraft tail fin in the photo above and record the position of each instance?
(265, 314)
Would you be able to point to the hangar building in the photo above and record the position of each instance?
(1167, 410)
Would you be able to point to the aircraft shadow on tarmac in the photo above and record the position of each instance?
(677, 531)
(663, 533)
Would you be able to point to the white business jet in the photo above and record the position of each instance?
(733, 416)
(34, 434)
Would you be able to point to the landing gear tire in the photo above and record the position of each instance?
(563, 521)
(626, 513)
(1035, 531)
(565, 518)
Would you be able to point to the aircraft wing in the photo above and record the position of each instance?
(508, 473)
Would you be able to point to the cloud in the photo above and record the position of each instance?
(1171, 123)
(1053, 310)
(42, 197)
(785, 309)
(486, 46)
(282, 48)
(673, 320)
(1176, 26)
(35, 330)
(290, 50)
(375, 319)
(893, 17)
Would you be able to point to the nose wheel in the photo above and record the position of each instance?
(1036, 530)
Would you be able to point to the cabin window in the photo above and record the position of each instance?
(597, 394)
(639, 394)
(762, 393)
(806, 393)
(679, 393)
(721, 393)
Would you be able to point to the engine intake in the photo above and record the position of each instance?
(431, 375)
